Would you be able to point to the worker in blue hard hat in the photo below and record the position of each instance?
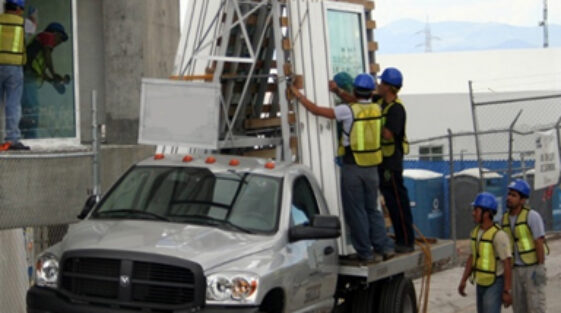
(40, 68)
(526, 231)
(12, 60)
(394, 147)
(361, 153)
(489, 264)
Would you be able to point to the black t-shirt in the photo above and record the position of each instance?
(395, 122)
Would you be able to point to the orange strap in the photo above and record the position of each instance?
(5, 146)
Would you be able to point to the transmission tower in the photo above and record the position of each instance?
(428, 37)
(543, 24)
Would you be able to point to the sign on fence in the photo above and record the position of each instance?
(547, 160)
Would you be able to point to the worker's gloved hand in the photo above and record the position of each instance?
(539, 276)
(57, 78)
(333, 86)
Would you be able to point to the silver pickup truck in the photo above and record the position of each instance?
(214, 234)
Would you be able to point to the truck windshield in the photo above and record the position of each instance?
(232, 200)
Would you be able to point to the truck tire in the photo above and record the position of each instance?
(364, 300)
(273, 302)
(398, 295)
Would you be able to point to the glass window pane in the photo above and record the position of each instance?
(346, 42)
(304, 204)
(48, 109)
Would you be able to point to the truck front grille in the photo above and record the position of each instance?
(132, 280)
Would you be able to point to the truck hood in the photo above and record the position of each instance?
(208, 246)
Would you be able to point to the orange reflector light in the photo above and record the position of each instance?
(159, 156)
(270, 165)
(187, 158)
(234, 162)
(210, 160)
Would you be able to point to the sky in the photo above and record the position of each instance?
(513, 12)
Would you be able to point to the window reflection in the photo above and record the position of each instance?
(345, 42)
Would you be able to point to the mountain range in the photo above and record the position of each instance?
(408, 36)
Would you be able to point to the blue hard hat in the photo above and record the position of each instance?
(365, 82)
(55, 27)
(485, 201)
(392, 76)
(19, 3)
(521, 186)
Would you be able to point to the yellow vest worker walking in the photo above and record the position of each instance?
(527, 236)
(490, 261)
(12, 59)
(361, 153)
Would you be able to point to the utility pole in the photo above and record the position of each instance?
(543, 24)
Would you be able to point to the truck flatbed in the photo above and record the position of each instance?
(400, 263)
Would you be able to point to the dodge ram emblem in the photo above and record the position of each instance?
(124, 281)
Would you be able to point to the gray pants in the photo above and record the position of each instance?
(528, 292)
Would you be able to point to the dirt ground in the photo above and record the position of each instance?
(444, 297)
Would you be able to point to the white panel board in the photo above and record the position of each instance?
(179, 113)
(317, 135)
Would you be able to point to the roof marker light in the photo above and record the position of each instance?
(234, 162)
(158, 156)
(270, 165)
(187, 158)
(210, 160)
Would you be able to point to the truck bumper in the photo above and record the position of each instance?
(44, 300)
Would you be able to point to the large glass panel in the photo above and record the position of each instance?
(239, 201)
(346, 42)
(48, 109)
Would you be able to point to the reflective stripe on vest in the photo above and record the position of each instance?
(365, 135)
(523, 237)
(388, 146)
(12, 45)
(484, 261)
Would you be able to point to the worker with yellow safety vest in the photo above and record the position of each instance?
(526, 230)
(12, 59)
(489, 264)
(360, 149)
(394, 147)
(38, 69)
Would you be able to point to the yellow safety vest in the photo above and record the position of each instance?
(388, 146)
(523, 237)
(365, 135)
(484, 261)
(12, 39)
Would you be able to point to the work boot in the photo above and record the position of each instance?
(18, 146)
(403, 249)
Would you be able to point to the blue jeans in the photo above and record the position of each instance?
(29, 123)
(490, 299)
(11, 89)
(359, 188)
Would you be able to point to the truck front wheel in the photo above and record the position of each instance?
(273, 302)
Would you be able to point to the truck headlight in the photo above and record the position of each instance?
(46, 271)
(232, 288)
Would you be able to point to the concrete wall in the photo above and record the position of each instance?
(140, 39)
(46, 191)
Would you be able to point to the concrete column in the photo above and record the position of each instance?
(141, 38)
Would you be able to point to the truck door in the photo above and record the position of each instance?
(315, 280)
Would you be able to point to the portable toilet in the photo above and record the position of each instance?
(556, 208)
(543, 200)
(425, 190)
(466, 187)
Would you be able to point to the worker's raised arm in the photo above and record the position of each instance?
(312, 107)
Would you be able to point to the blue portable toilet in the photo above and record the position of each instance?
(466, 187)
(426, 196)
(556, 208)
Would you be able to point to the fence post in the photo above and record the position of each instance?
(95, 148)
(476, 134)
(452, 199)
(510, 141)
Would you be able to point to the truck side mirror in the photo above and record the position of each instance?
(322, 227)
(88, 206)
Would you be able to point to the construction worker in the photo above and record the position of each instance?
(525, 228)
(40, 68)
(359, 180)
(394, 146)
(490, 261)
(12, 59)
